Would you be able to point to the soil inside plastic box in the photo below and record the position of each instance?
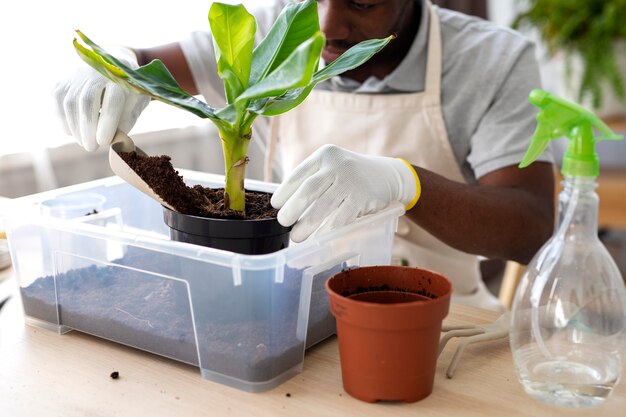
(120, 304)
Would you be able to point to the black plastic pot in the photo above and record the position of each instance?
(250, 237)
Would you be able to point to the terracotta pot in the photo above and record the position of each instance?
(388, 327)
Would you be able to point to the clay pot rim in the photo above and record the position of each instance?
(406, 304)
(402, 305)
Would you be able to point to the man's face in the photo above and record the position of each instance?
(348, 22)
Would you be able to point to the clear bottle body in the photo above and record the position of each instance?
(568, 327)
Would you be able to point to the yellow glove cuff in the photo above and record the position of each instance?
(418, 186)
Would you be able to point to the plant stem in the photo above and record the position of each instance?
(235, 147)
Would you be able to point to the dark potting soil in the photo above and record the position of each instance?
(386, 288)
(388, 297)
(238, 334)
(160, 175)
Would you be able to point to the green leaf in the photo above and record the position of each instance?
(296, 23)
(228, 114)
(296, 71)
(233, 30)
(152, 79)
(287, 101)
(352, 58)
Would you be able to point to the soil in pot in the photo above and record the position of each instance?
(201, 216)
(388, 297)
(160, 175)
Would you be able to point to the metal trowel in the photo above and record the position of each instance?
(122, 143)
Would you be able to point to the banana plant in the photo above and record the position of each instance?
(269, 79)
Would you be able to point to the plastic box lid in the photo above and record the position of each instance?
(96, 257)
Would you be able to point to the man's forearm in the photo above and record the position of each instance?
(509, 221)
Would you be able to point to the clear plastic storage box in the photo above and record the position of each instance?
(97, 258)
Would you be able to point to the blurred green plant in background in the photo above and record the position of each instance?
(595, 30)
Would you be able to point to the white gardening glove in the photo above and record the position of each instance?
(336, 186)
(92, 107)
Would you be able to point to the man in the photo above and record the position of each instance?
(448, 95)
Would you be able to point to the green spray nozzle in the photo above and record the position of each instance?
(558, 118)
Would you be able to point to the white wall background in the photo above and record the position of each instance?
(502, 11)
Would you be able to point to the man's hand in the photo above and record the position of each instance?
(335, 186)
(92, 107)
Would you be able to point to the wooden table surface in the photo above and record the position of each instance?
(612, 185)
(612, 193)
(46, 374)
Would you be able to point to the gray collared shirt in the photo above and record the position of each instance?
(487, 73)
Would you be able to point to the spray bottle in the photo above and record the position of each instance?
(568, 325)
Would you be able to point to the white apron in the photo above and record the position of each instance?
(409, 126)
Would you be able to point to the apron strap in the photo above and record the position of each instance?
(434, 57)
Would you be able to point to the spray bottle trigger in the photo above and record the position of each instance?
(540, 140)
(607, 133)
